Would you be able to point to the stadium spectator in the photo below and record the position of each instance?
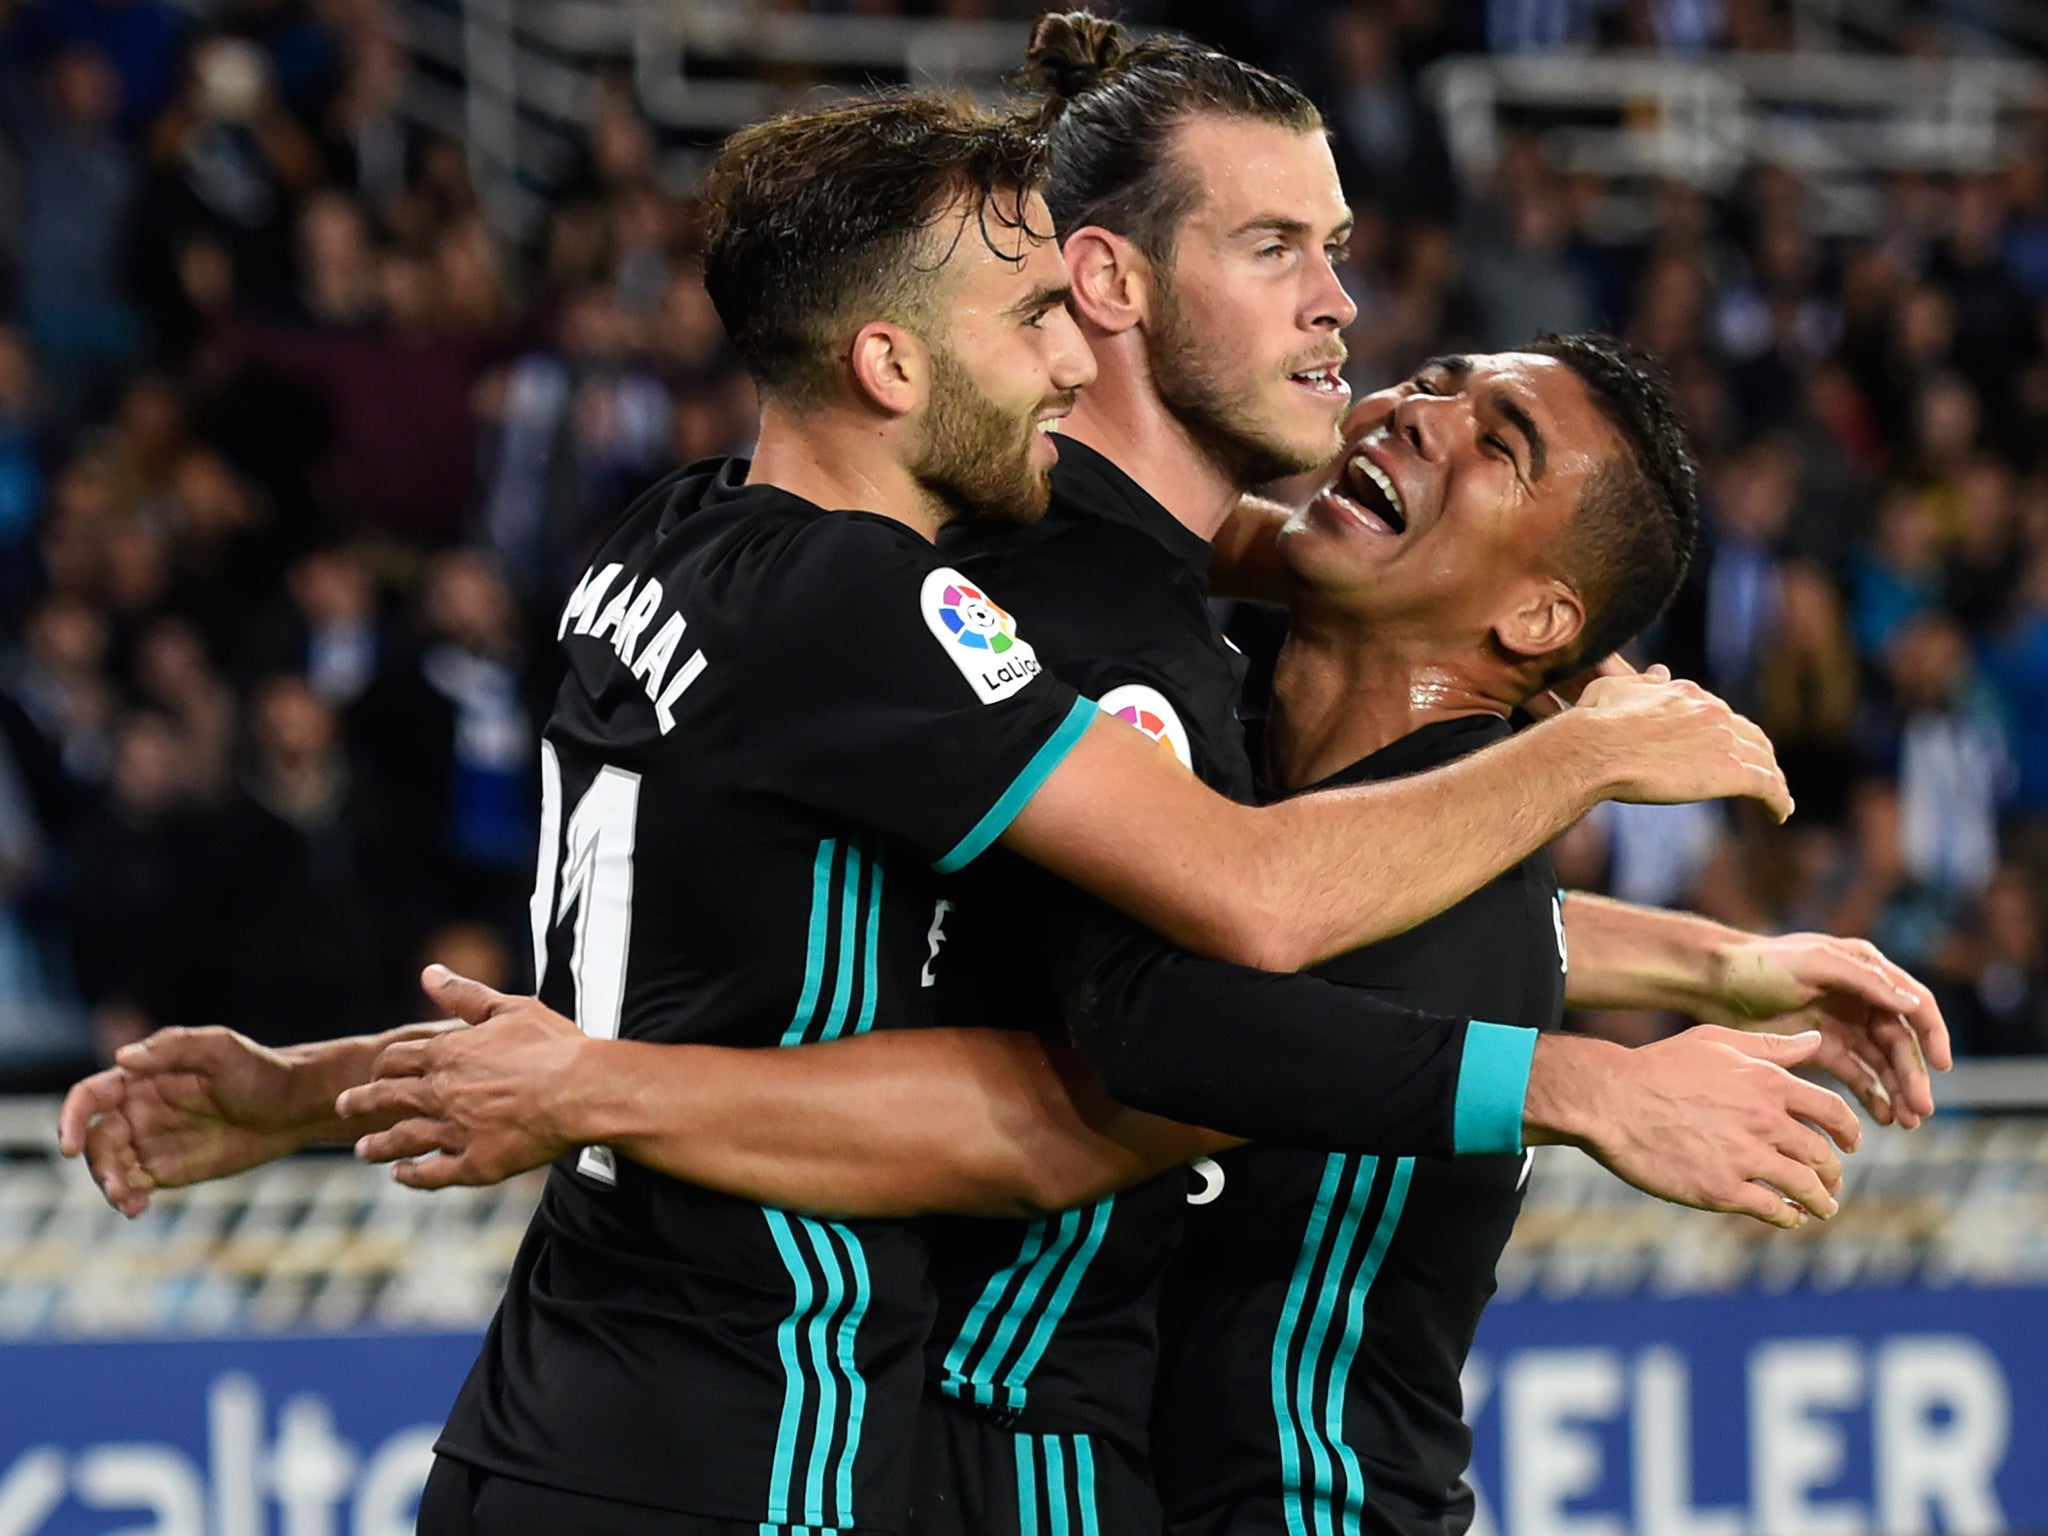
(580, 427)
(449, 738)
(282, 397)
(78, 193)
(325, 626)
(296, 878)
(139, 926)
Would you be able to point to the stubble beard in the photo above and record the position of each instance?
(977, 457)
(1216, 411)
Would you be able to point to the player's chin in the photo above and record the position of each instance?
(1302, 434)
(1025, 500)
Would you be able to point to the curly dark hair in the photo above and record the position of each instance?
(1630, 541)
(820, 221)
(1109, 104)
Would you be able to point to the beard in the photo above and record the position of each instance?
(977, 457)
(1219, 412)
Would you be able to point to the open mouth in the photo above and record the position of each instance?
(1325, 379)
(1049, 420)
(1367, 493)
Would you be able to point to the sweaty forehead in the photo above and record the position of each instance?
(1246, 169)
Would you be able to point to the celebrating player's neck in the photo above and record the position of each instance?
(836, 459)
(1122, 418)
(1346, 686)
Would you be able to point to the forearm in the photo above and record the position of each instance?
(322, 1069)
(1626, 956)
(1294, 1060)
(1283, 887)
(899, 1123)
(1349, 868)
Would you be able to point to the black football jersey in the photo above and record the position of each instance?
(1049, 1323)
(1317, 1315)
(779, 726)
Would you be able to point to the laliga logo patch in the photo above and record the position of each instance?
(974, 621)
(1147, 709)
(978, 635)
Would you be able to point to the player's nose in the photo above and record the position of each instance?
(1072, 361)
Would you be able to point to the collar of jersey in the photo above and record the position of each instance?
(728, 484)
(1426, 747)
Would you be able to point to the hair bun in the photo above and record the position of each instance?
(1071, 50)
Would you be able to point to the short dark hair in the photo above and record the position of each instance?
(817, 220)
(1630, 540)
(1109, 108)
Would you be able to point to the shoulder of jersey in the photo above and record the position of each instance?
(1146, 710)
(1086, 567)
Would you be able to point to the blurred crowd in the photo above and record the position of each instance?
(296, 457)
(298, 454)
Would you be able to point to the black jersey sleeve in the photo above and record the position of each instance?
(894, 693)
(1292, 1059)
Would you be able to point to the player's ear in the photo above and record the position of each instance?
(1112, 279)
(891, 368)
(1545, 618)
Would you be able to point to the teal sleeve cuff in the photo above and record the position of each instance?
(1493, 1080)
(996, 820)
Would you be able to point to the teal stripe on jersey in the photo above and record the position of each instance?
(1037, 1263)
(996, 820)
(1042, 1460)
(809, 1347)
(977, 1317)
(1027, 1486)
(857, 1387)
(1321, 1452)
(1056, 1486)
(1056, 1309)
(1353, 1514)
(983, 1374)
(814, 952)
(793, 1375)
(1281, 1383)
(842, 983)
(868, 985)
(825, 1421)
(1084, 1485)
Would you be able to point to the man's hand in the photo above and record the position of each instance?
(1709, 1118)
(1671, 742)
(485, 1098)
(180, 1107)
(1879, 1028)
(1561, 696)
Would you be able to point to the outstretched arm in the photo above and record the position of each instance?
(1710, 1118)
(899, 1123)
(1283, 886)
(187, 1105)
(1880, 1028)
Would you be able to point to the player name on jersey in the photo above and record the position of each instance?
(622, 622)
